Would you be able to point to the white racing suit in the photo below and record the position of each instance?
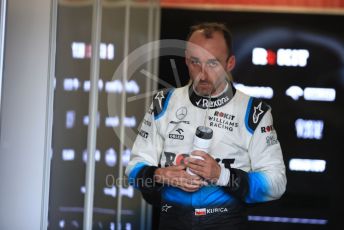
(244, 141)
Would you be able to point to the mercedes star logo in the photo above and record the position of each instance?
(181, 113)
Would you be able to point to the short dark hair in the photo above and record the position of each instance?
(209, 28)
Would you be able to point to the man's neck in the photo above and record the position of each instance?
(214, 101)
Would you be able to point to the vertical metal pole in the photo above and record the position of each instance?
(49, 117)
(144, 206)
(123, 111)
(2, 44)
(150, 48)
(93, 109)
(148, 87)
(156, 36)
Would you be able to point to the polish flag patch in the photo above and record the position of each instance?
(200, 211)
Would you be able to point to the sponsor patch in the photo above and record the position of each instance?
(223, 121)
(165, 208)
(271, 140)
(224, 115)
(256, 110)
(143, 134)
(200, 211)
(146, 122)
(267, 129)
(178, 122)
(205, 211)
(174, 159)
(178, 135)
(160, 102)
(158, 97)
(181, 113)
(206, 103)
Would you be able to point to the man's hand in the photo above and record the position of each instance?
(208, 168)
(178, 177)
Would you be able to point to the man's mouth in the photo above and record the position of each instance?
(203, 84)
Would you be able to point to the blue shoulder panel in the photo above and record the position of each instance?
(255, 111)
(249, 105)
(160, 102)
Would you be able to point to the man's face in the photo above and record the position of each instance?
(208, 62)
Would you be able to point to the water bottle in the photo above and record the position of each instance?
(202, 141)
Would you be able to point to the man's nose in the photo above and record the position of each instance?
(203, 72)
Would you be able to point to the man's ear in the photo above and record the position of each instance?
(230, 63)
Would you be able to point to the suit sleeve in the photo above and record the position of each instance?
(147, 149)
(266, 180)
(144, 159)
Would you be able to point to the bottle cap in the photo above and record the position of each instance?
(204, 132)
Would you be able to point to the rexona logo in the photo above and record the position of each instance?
(205, 103)
(281, 57)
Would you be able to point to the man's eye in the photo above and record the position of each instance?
(213, 64)
(194, 62)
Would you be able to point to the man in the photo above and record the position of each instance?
(244, 163)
